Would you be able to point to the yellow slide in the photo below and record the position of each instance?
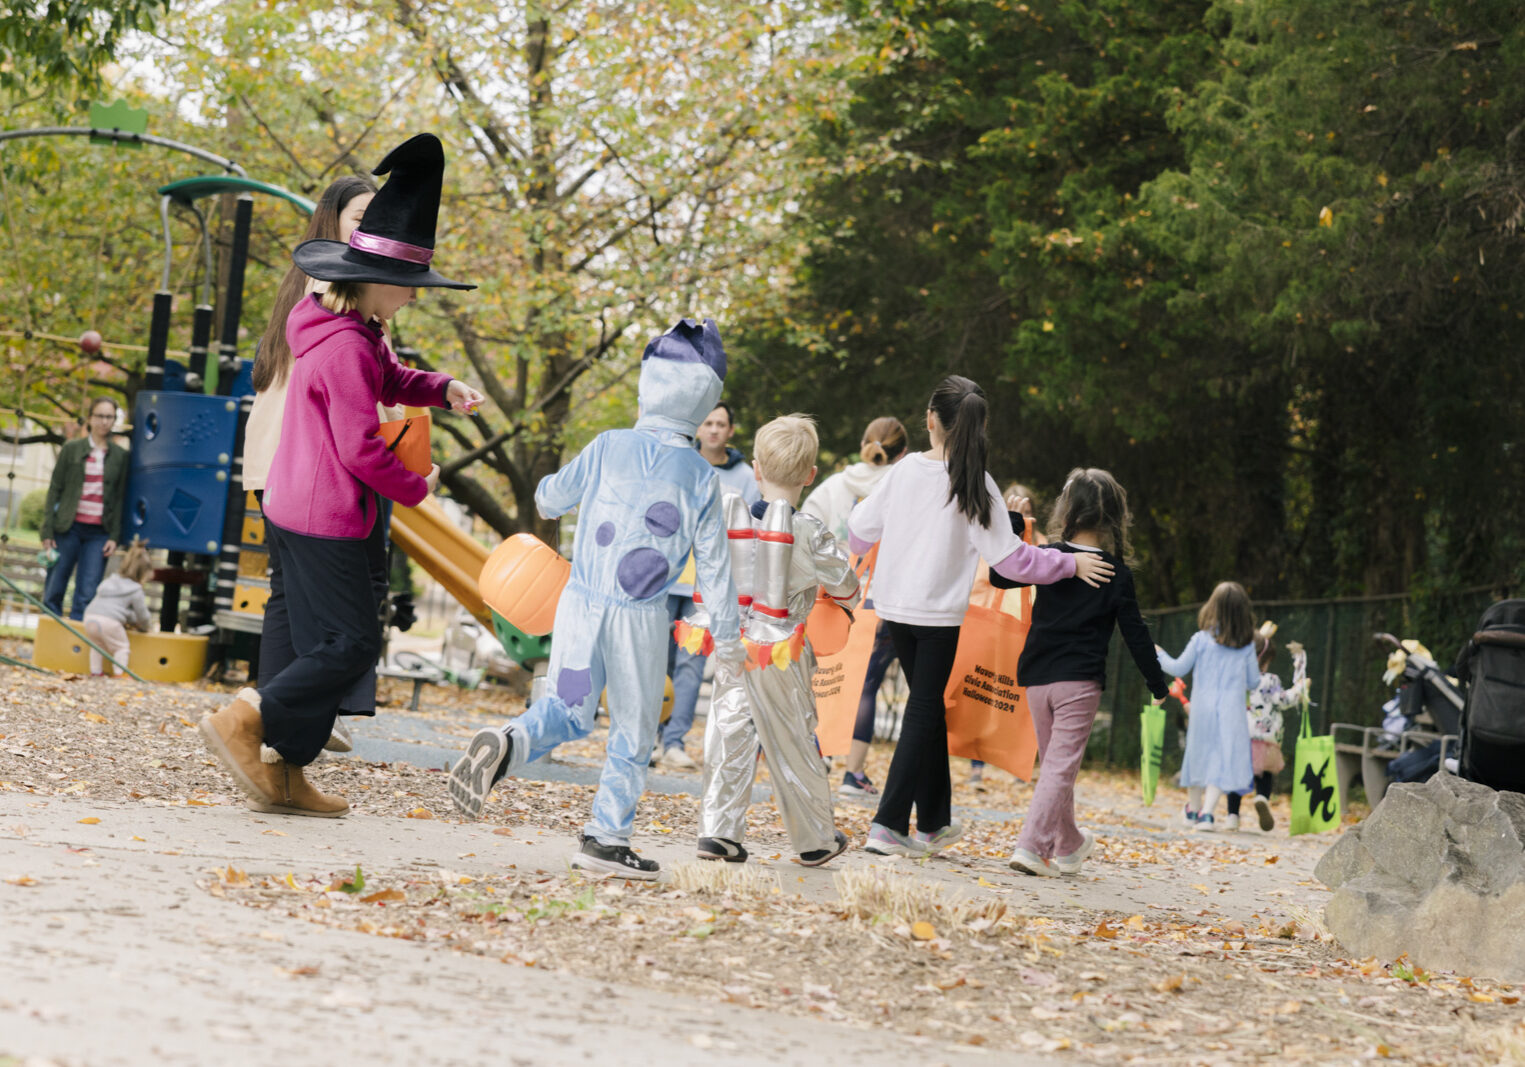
(450, 556)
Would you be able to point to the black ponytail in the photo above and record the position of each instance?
(959, 405)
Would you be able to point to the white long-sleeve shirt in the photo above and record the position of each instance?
(928, 549)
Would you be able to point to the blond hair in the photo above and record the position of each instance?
(135, 564)
(342, 297)
(784, 450)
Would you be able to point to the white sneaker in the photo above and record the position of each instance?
(1071, 864)
(1263, 809)
(675, 758)
(935, 843)
(1205, 825)
(1231, 822)
(1031, 863)
(339, 740)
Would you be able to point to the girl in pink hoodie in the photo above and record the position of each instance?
(328, 475)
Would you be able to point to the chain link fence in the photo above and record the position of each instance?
(1344, 663)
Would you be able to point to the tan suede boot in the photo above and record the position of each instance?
(233, 734)
(297, 796)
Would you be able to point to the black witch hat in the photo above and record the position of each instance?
(395, 239)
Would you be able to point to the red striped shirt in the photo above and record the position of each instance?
(92, 498)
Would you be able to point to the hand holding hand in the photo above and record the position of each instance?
(1092, 569)
(432, 478)
(729, 657)
(462, 397)
(108, 548)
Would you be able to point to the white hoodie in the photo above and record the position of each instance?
(833, 499)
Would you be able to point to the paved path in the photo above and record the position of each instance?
(114, 956)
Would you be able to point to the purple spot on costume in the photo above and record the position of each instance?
(663, 519)
(605, 535)
(642, 573)
(573, 686)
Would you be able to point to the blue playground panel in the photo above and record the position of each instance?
(182, 454)
(178, 508)
(183, 429)
(243, 382)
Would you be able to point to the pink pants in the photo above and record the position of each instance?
(110, 635)
(1062, 715)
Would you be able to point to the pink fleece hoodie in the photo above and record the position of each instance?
(329, 453)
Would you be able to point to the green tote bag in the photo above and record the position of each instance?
(1152, 736)
(1315, 796)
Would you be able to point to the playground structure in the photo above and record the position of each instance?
(185, 487)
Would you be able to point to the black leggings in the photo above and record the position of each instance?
(919, 770)
(1263, 783)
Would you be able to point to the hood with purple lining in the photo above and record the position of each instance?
(682, 373)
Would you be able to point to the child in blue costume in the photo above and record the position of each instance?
(1221, 657)
(645, 499)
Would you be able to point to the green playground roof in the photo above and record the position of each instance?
(188, 189)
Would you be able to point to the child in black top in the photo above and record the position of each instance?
(1064, 662)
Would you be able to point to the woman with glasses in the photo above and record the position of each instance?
(83, 515)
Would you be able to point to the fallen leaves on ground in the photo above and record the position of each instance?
(1154, 990)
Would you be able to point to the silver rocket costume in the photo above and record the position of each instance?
(779, 560)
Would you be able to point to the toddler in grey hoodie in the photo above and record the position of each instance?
(119, 603)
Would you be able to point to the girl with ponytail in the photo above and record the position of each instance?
(935, 515)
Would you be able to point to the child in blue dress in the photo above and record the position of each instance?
(1222, 655)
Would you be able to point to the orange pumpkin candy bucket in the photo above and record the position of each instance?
(522, 581)
(827, 625)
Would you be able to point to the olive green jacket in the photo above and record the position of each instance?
(69, 481)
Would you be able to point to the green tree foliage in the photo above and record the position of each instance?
(613, 167)
(1259, 259)
(66, 42)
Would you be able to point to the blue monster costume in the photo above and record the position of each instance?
(645, 498)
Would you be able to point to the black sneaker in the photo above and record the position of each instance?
(824, 855)
(718, 848)
(475, 773)
(619, 860)
(1263, 809)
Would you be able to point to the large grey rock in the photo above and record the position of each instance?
(1437, 872)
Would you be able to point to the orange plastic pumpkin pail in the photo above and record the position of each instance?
(827, 625)
(408, 440)
(522, 581)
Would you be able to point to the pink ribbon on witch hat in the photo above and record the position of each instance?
(385, 246)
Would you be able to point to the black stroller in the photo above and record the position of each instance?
(1492, 667)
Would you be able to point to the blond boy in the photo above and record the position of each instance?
(780, 557)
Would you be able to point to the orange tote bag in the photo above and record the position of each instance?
(838, 679)
(988, 717)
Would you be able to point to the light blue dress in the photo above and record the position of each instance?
(1217, 731)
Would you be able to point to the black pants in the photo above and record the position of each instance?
(919, 770)
(275, 649)
(1263, 783)
(331, 617)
